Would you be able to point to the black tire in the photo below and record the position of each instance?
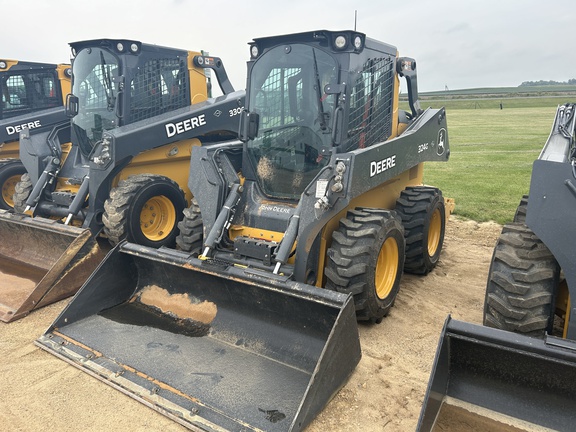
(22, 191)
(522, 210)
(156, 198)
(424, 218)
(11, 171)
(366, 259)
(191, 236)
(522, 283)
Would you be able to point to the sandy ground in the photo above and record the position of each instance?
(385, 392)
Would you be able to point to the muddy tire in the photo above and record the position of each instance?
(11, 171)
(424, 218)
(144, 209)
(522, 283)
(191, 236)
(22, 191)
(522, 210)
(366, 259)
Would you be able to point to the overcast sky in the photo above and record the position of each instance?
(457, 43)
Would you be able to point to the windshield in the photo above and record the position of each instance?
(94, 84)
(287, 91)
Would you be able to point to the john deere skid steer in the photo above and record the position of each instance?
(33, 97)
(118, 168)
(291, 237)
(520, 369)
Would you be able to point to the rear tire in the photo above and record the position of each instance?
(11, 171)
(424, 218)
(522, 283)
(22, 191)
(366, 259)
(144, 209)
(522, 210)
(191, 236)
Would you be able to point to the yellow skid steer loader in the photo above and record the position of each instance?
(33, 97)
(292, 236)
(117, 169)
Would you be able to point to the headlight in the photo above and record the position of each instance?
(340, 42)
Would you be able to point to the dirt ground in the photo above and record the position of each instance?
(385, 392)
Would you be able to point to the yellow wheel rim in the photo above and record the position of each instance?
(386, 268)
(9, 188)
(434, 232)
(157, 218)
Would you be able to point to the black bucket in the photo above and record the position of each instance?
(489, 379)
(255, 352)
(41, 261)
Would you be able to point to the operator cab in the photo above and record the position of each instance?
(119, 82)
(308, 94)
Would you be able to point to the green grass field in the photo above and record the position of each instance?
(492, 151)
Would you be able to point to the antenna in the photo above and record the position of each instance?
(355, 18)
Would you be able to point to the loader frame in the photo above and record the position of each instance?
(552, 201)
(356, 172)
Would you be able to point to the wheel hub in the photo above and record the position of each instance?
(434, 232)
(9, 188)
(157, 218)
(386, 268)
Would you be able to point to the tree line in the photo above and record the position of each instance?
(571, 81)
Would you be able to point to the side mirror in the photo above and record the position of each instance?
(72, 104)
(249, 122)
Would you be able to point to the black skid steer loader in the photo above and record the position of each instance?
(291, 237)
(118, 168)
(33, 97)
(519, 371)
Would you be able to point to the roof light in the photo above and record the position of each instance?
(3, 65)
(357, 42)
(340, 42)
(254, 51)
(120, 46)
(134, 47)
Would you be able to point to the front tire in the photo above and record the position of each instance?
(522, 283)
(191, 236)
(424, 218)
(144, 209)
(11, 172)
(366, 259)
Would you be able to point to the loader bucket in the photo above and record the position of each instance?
(212, 346)
(489, 379)
(41, 262)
